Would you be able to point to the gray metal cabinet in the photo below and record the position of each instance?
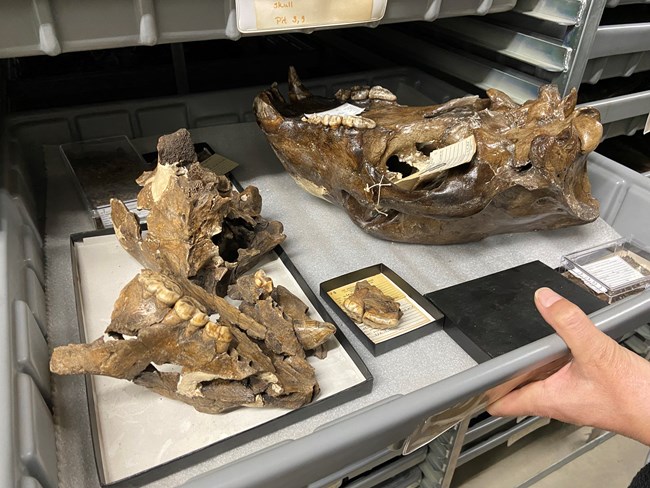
(366, 442)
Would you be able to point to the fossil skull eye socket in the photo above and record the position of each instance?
(235, 234)
(396, 165)
(426, 148)
(524, 168)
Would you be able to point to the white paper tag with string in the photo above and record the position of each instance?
(447, 157)
(646, 129)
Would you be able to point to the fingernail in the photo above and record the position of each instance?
(546, 297)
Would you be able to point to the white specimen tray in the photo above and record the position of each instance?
(137, 432)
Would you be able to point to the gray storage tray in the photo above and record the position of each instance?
(623, 194)
(29, 451)
(48, 27)
(614, 66)
(299, 211)
(148, 117)
(612, 40)
(616, 3)
(283, 200)
(624, 114)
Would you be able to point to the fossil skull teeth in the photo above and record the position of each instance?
(351, 121)
(381, 93)
(343, 94)
(172, 313)
(360, 93)
(221, 335)
(186, 307)
(199, 319)
(164, 289)
(263, 281)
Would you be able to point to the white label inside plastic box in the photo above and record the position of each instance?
(269, 15)
(614, 272)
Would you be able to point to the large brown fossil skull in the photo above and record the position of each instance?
(528, 171)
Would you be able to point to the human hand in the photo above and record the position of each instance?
(604, 385)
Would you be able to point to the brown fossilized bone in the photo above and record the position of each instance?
(369, 305)
(216, 356)
(528, 171)
(198, 227)
(234, 360)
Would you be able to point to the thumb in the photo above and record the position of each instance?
(571, 324)
(526, 400)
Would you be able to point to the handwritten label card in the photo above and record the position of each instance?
(270, 15)
(447, 157)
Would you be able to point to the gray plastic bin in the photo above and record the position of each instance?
(55, 26)
(624, 197)
(333, 448)
(27, 424)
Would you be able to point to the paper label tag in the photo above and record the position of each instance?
(345, 109)
(448, 157)
(219, 164)
(613, 272)
(646, 129)
(269, 15)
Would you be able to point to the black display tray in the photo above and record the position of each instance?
(378, 348)
(495, 314)
(212, 450)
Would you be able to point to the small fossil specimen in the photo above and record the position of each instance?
(526, 169)
(369, 305)
(201, 236)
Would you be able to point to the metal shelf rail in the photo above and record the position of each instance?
(539, 41)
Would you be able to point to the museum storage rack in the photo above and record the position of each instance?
(449, 48)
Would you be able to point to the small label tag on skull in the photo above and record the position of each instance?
(448, 157)
(345, 109)
(647, 125)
